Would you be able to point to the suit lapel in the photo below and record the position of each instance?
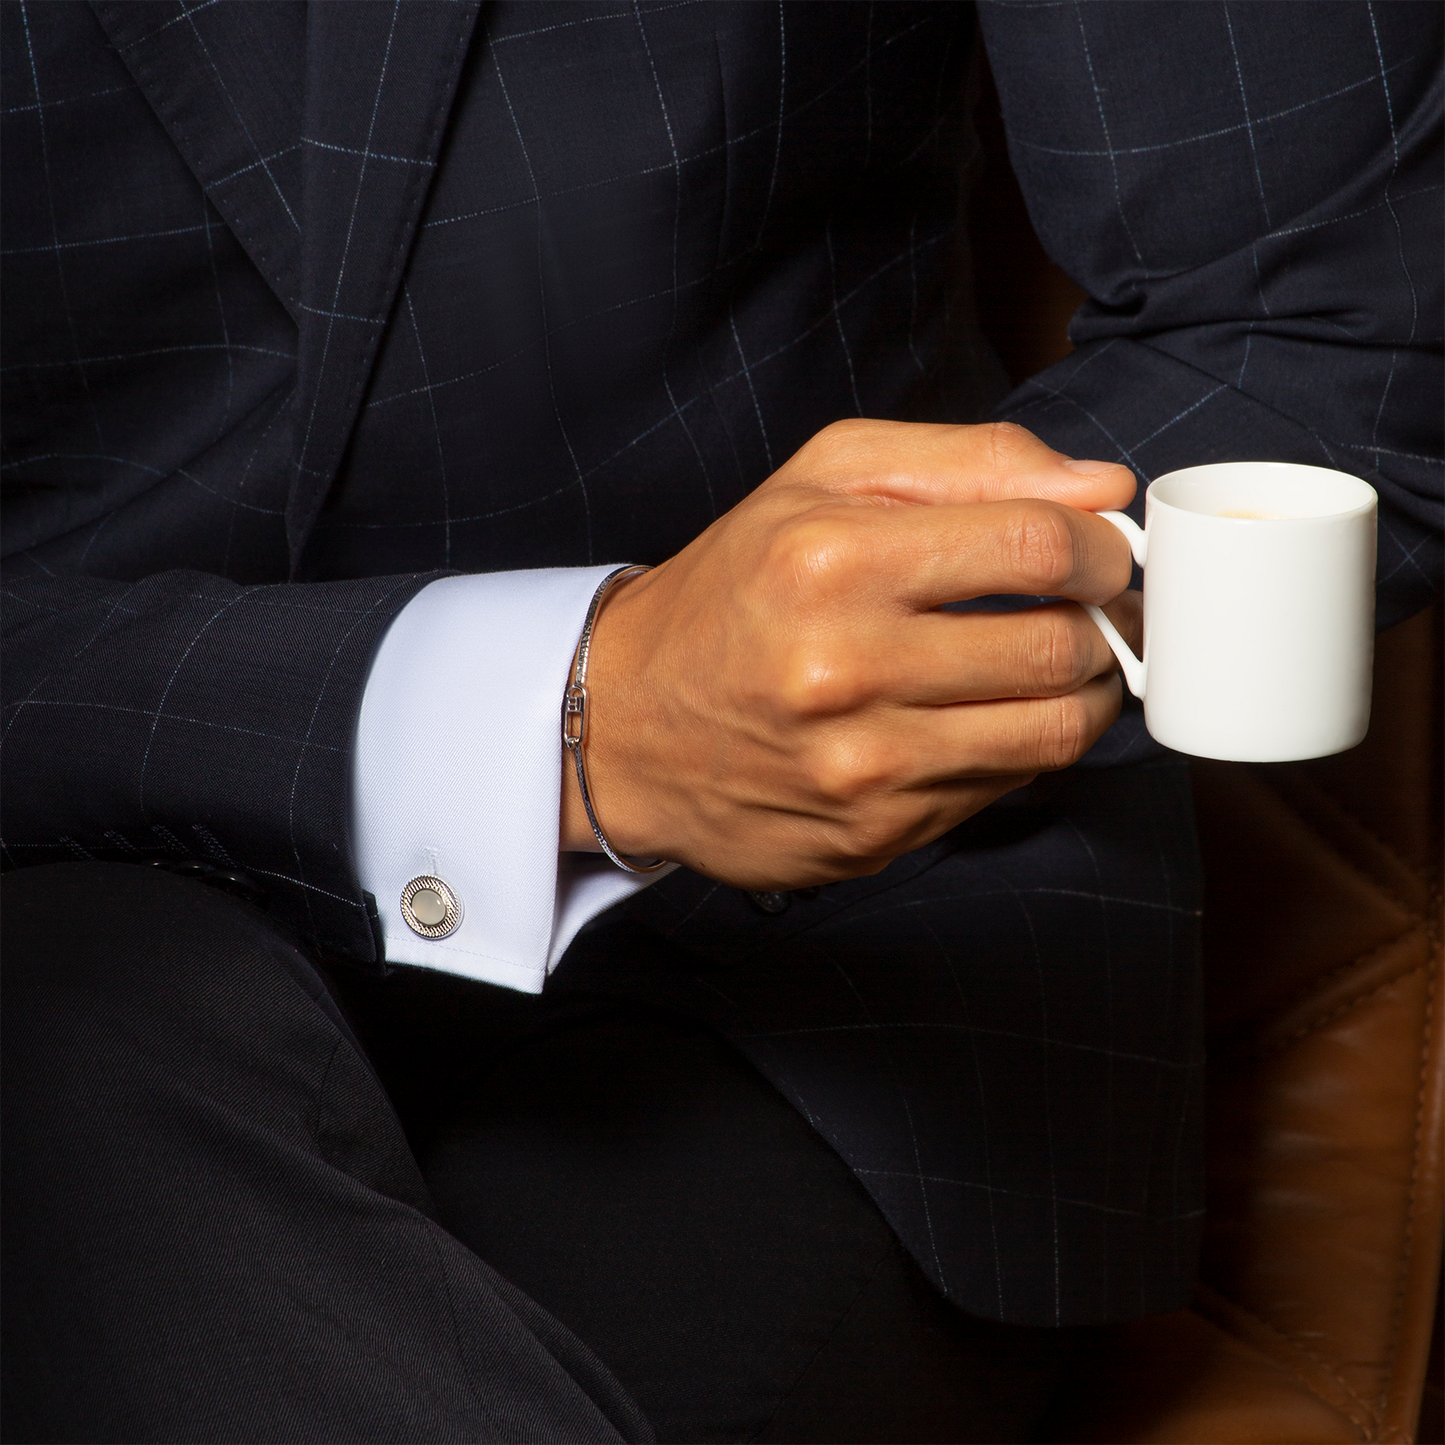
(379, 86)
(315, 131)
(227, 81)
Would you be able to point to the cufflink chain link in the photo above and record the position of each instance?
(574, 722)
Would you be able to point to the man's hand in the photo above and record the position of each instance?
(783, 704)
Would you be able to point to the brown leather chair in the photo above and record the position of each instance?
(1322, 1253)
(1312, 1322)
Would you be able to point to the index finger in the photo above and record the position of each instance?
(936, 463)
(1030, 547)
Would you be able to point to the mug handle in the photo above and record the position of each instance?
(1130, 665)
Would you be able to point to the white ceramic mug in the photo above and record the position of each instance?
(1259, 610)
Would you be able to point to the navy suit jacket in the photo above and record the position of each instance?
(306, 305)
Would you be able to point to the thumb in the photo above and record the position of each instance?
(1089, 486)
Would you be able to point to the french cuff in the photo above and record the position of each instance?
(457, 776)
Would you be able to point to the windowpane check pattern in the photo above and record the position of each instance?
(305, 306)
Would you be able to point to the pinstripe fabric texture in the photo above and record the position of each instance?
(305, 307)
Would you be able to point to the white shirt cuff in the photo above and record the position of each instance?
(457, 773)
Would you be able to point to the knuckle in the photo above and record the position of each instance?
(839, 442)
(1042, 548)
(848, 428)
(1060, 655)
(840, 860)
(813, 552)
(879, 769)
(847, 774)
(1064, 736)
(871, 841)
(816, 682)
(831, 776)
(1008, 442)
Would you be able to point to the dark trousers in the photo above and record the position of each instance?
(249, 1201)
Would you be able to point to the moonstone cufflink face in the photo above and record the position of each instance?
(430, 907)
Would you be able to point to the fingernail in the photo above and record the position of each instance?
(1091, 469)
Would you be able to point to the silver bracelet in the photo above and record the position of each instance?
(574, 706)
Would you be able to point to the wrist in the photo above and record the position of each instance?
(604, 754)
(576, 834)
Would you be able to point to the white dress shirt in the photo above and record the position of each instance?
(457, 774)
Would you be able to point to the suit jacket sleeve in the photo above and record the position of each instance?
(1250, 195)
(190, 720)
(177, 396)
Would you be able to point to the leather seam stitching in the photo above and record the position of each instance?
(1397, 1308)
(1387, 849)
(1368, 1424)
(1338, 853)
(1301, 996)
(1264, 1050)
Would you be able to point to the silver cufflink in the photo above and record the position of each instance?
(430, 907)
